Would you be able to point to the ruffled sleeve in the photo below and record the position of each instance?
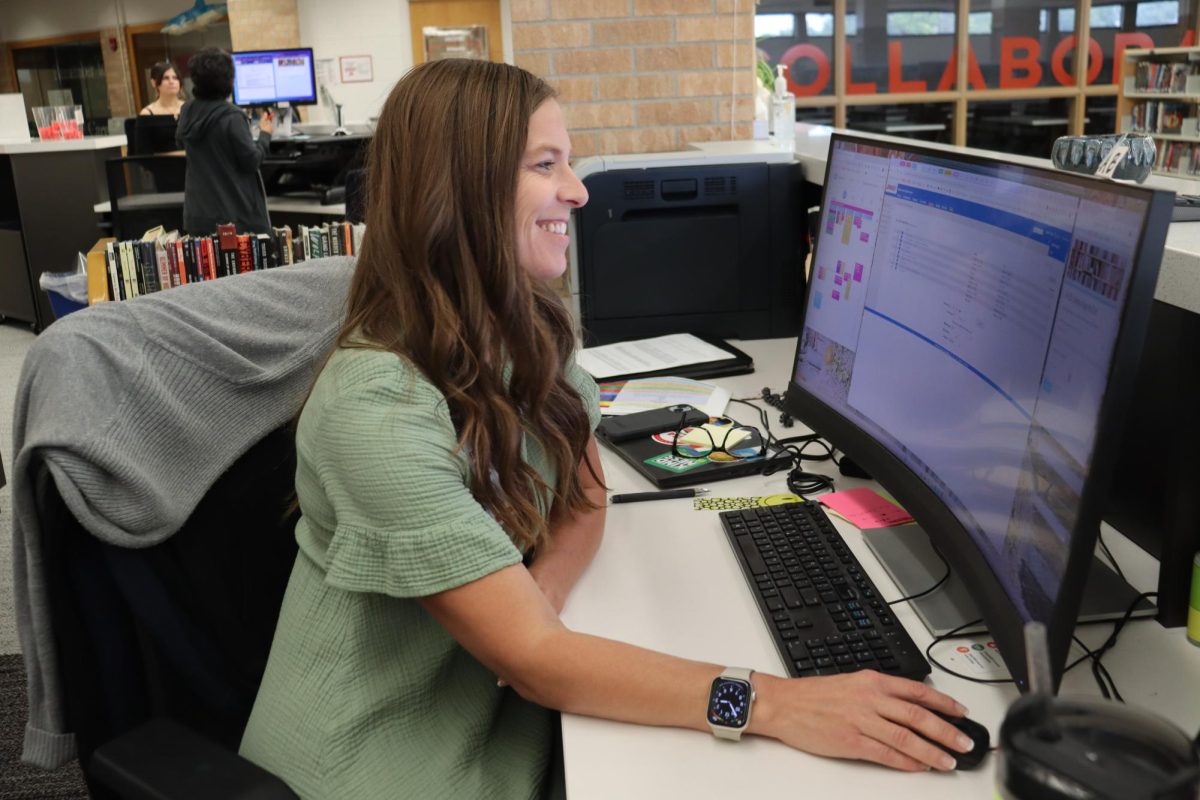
(404, 521)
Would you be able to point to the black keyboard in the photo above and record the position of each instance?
(824, 613)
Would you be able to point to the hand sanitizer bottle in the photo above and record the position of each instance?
(783, 112)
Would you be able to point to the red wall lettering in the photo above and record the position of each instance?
(1019, 65)
(950, 73)
(1095, 60)
(865, 87)
(896, 83)
(814, 54)
(1011, 62)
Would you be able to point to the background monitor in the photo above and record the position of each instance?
(270, 77)
(971, 334)
(150, 134)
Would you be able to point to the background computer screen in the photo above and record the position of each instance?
(960, 334)
(266, 77)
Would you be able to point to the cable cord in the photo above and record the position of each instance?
(1108, 554)
(799, 482)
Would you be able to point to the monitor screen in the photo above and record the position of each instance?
(267, 77)
(149, 134)
(968, 324)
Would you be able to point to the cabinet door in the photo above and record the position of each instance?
(16, 294)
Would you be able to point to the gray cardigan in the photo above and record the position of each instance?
(137, 408)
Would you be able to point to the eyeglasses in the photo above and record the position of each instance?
(719, 440)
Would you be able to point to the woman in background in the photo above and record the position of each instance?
(451, 496)
(222, 182)
(168, 88)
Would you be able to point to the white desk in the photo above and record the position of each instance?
(665, 578)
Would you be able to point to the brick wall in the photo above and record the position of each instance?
(263, 24)
(116, 73)
(637, 76)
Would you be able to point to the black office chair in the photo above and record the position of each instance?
(162, 649)
(145, 191)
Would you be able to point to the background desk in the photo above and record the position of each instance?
(283, 210)
(665, 578)
(46, 189)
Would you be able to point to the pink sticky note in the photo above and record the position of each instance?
(858, 222)
(858, 268)
(820, 273)
(835, 295)
(863, 237)
(864, 508)
(838, 280)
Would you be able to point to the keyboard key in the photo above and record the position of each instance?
(750, 554)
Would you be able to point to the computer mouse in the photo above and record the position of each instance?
(978, 734)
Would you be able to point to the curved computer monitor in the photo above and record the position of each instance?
(271, 77)
(971, 332)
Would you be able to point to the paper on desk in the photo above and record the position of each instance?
(977, 656)
(643, 394)
(864, 508)
(648, 355)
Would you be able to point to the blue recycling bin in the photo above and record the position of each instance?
(62, 305)
(62, 289)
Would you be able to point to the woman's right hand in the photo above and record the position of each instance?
(266, 122)
(864, 715)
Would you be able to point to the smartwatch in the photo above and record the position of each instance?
(729, 702)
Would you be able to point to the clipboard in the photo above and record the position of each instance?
(738, 363)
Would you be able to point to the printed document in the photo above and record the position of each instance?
(648, 355)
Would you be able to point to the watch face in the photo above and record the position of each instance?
(729, 703)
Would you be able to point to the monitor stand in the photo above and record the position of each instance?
(908, 558)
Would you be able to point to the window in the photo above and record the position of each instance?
(935, 23)
(767, 26)
(821, 25)
(1158, 13)
(920, 23)
(71, 73)
(1101, 17)
(979, 22)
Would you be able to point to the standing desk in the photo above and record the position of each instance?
(665, 578)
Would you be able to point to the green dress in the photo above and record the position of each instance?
(365, 695)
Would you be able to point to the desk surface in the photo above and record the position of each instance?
(664, 578)
(38, 146)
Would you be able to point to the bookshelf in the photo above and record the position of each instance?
(121, 270)
(1160, 96)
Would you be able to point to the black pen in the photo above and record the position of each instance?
(669, 494)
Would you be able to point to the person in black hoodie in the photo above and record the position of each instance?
(222, 182)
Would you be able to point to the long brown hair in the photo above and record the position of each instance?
(438, 283)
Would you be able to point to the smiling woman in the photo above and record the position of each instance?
(451, 496)
(547, 191)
